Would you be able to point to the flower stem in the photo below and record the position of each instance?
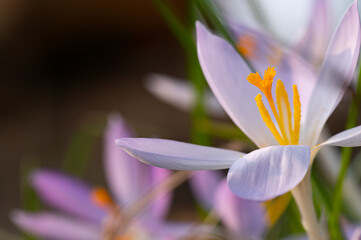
(303, 197)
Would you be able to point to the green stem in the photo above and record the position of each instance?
(335, 230)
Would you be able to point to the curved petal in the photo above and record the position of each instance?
(312, 45)
(66, 193)
(54, 226)
(347, 138)
(335, 76)
(356, 234)
(161, 204)
(129, 178)
(126, 176)
(180, 94)
(269, 172)
(226, 73)
(177, 155)
(245, 217)
(203, 185)
(286, 19)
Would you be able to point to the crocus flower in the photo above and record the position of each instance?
(285, 140)
(86, 212)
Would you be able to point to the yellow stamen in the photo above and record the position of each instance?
(283, 104)
(296, 116)
(247, 45)
(283, 116)
(101, 197)
(268, 120)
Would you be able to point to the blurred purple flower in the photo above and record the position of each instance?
(87, 213)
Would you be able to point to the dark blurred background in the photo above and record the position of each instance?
(65, 65)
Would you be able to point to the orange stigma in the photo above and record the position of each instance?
(247, 45)
(101, 198)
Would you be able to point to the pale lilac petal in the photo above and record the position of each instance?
(239, 12)
(335, 76)
(56, 227)
(161, 204)
(312, 45)
(286, 19)
(126, 176)
(356, 234)
(226, 73)
(130, 179)
(181, 94)
(66, 193)
(245, 217)
(178, 155)
(203, 185)
(347, 138)
(269, 172)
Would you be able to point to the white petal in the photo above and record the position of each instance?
(347, 138)
(178, 155)
(269, 172)
(335, 76)
(226, 74)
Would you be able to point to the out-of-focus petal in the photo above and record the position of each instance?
(285, 19)
(129, 178)
(66, 193)
(312, 45)
(347, 138)
(356, 234)
(335, 76)
(269, 172)
(160, 206)
(226, 73)
(203, 185)
(239, 12)
(180, 94)
(126, 176)
(245, 217)
(178, 155)
(56, 227)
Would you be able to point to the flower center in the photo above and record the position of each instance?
(247, 45)
(288, 132)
